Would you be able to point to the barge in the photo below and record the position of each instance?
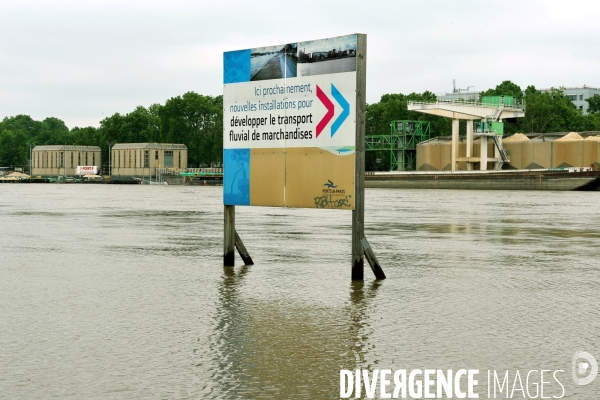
(534, 179)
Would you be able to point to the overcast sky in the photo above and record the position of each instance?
(82, 61)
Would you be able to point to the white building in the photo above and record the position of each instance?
(579, 95)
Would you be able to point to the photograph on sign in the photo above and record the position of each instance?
(273, 62)
(290, 140)
(327, 56)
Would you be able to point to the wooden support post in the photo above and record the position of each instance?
(229, 240)
(239, 245)
(358, 214)
(359, 250)
(370, 255)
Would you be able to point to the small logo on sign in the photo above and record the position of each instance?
(331, 188)
(332, 197)
(330, 184)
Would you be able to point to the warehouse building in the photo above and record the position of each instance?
(63, 160)
(142, 159)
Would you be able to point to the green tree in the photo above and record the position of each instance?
(549, 112)
(88, 136)
(53, 131)
(591, 122)
(196, 121)
(26, 124)
(14, 148)
(506, 88)
(140, 126)
(113, 128)
(594, 104)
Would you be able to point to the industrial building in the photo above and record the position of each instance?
(63, 160)
(483, 117)
(142, 159)
(579, 95)
(534, 151)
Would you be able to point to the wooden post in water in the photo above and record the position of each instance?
(379, 274)
(232, 241)
(229, 242)
(239, 245)
(358, 214)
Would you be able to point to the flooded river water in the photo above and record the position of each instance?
(111, 291)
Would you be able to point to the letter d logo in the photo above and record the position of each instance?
(581, 367)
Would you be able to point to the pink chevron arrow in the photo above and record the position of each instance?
(329, 106)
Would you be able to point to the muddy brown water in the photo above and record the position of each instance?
(111, 291)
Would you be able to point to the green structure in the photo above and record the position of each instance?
(401, 142)
(489, 126)
(498, 101)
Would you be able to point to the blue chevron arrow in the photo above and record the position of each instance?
(345, 106)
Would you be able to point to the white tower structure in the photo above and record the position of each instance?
(491, 110)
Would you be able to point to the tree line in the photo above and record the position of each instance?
(197, 121)
(192, 119)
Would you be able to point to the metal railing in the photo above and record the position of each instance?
(206, 170)
(520, 105)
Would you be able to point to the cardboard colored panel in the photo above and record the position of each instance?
(558, 153)
(445, 155)
(430, 157)
(574, 153)
(434, 156)
(462, 152)
(317, 178)
(267, 174)
(542, 154)
(527, 154)
(589, 152)
(515, 149)
(421, 158)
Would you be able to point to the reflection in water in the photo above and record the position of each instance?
(361, 295)
(229, 338)
(284, 349)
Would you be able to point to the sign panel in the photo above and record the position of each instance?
(87, 170)
(289, 135)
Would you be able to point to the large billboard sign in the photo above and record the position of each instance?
(289, 129)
